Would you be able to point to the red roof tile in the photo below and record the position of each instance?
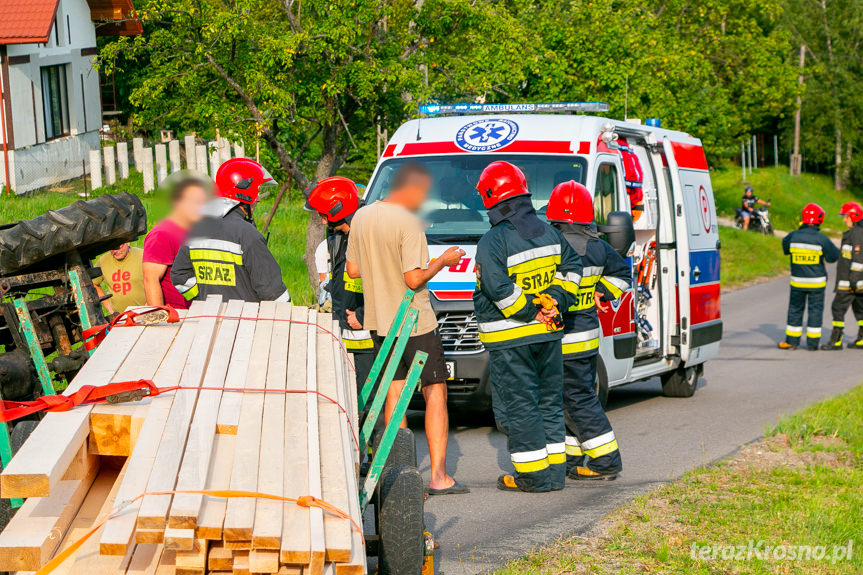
(26, 21)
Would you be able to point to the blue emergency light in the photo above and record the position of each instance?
(546, 107)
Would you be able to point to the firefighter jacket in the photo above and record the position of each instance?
(512, 269)
(347, 295)
(849, 270)
(604, 271)
(809, 249)
(227, 256)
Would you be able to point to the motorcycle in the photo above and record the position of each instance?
(759, 221)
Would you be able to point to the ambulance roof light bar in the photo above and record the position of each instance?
(540, 107)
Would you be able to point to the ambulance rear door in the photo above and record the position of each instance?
(697, 238)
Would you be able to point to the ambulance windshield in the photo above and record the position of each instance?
(454, 209)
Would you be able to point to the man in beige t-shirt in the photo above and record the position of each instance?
(388, 250)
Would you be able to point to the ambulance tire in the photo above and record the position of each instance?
(601, 383)
(400, 521)
(681, 382)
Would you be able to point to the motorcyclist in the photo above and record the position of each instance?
(748, 204)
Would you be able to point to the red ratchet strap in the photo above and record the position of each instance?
(94, 336)
(88, 394)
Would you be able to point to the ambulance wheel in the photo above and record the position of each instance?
(601, 383)
(400, 521)
(681, 382)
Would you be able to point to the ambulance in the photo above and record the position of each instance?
(652, 196)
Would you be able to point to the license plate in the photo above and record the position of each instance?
(450, 369)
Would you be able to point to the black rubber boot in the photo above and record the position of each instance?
(858, 344)
(835, 342)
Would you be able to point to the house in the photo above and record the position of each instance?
(50, 105)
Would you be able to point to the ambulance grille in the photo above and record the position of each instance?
(459, 332)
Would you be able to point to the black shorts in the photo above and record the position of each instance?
(435, 370)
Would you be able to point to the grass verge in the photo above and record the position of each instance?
(789, 503)
(287, 231)
(787, 194)
(747, 256)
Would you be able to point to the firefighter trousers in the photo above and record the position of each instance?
(590, 440)
(528, 392)
(842, 300)
(797, 304)
(363, 365)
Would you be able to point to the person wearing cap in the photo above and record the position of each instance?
(225, 254)
(336, 200)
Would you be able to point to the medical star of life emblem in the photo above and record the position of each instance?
(486, 135)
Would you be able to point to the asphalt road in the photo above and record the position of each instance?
(743, 391)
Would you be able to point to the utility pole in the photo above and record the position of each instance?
(754, 151)
(796, 160)
(775, 151)
(743, 160)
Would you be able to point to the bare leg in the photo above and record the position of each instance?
(393, 398)
(746, 223)
(437, 431)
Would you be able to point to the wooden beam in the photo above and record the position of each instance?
(229, 409)
(192, 475)
(316, 517)
(267, 530)
(212, 516)
(337, 530)
(154, 508)
(296, 534)
(119, 531)
(220, 559)
(263, 561)
(42, 460)
(179, 539)
(145, 560)
(240, 512)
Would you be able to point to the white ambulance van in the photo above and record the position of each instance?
(669, 324)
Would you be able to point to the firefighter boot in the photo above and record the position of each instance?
(835, 342)
(858, 343)
(587, 474)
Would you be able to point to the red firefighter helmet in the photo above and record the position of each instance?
(853, 210)
(500, 181)
(241, 179)
(813, 214)
(336, 198)
(570, 202)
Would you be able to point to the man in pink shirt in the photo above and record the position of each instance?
(163, 242)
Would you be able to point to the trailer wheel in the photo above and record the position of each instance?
(400, 521)
(20, 433)
(681, 382)
(404, 450)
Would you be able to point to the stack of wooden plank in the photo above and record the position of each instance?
(79, 465)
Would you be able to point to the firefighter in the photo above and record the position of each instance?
(809, 249)
(224, 253)
(519, 260)
(849, 279)
(336, 199)
(591, 447)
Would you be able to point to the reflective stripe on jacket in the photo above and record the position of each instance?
(809, 249)
(849, 269)
(347, 294)
(511, 271)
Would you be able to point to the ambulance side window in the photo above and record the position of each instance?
(605, 198)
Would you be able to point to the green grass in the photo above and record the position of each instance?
(747, 256)
(788, 195)
(802, 485)
(287, 231)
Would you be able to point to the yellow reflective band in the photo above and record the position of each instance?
(615, 291)
(574, 450)
(217, 255)
(526, 330)
(351, 284)
(839, 323)
(584, 299)
(215, 274)
(860, 322)
(588, 281)
(519, 304)
(605, 449)
(556, 458)
(806, 285)
(808, 258)
(534, 265)
(531, 466)
(190, 293)
(580, 346)
(793, 333)
(358, 343)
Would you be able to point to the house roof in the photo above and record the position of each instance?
(26, 21)
(30, 21)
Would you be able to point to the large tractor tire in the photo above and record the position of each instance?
(400, 521)
(91, 227)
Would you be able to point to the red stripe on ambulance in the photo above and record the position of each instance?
(689, 156)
